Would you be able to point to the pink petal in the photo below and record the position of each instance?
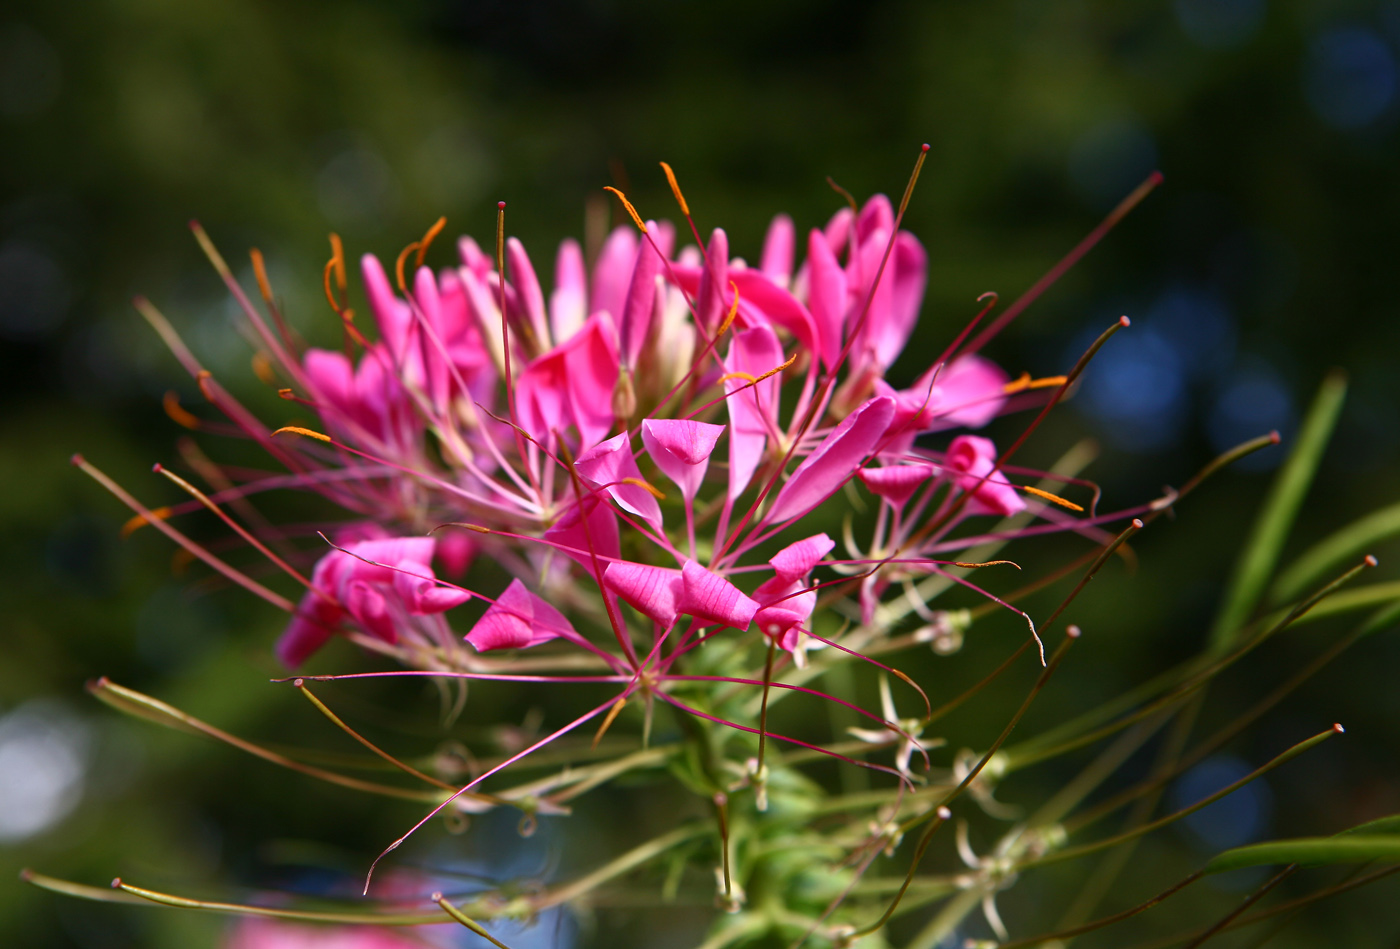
(835, 460)
(777, 251)
(609, 462)
(474, 258)
(652, 591)
(879, 341)
(613, 271)
(640, 304)
(710, 597)
(455, 551)
(681, 449)
(391, 314)
(572, 385)
(425, 293)
(838, 229)
(970, 391)
(827, 297)
(753, 351)
(527, 286)
(311, 627)
(714, 294)
(974, 457)
(896, 483)
(763, 301)
(570, 532)
(877, 215)
(796, 560)
(910, 264)
(568, 304)
(369, 608)
(517, 620)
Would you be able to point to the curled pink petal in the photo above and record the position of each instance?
(681, 449)
(652, 591)
(796, 560)
(608, 463)
(973, 458)
(518, 620)
(710, 597)
(834, 461)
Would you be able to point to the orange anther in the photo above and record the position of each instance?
(298, 430)
(636, 218)
(177, 413)
(140, 521)
(1052, 498)
(675, 189)
(432, 232)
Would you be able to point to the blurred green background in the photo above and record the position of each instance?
(1261, 262)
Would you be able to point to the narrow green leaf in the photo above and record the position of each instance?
(1381, 825)
(1346, 544)
(1347, 601)
(1310, 850)
(1261, 551)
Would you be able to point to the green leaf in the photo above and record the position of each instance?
(1347, 544)
(1266, 539)
(1381, 825)
(1346, 848)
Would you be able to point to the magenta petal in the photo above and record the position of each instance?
(568, 304)
(838, 229)
(607, 463)
(777, 251)
(763, 301)
(710, 597)
(796, 560)
(877, 215)
(896, 483)
(826, 297)
(640, 303)
(527, 287)
(572, 385)
(613, 271)
(974, 458)
(835, 460)
(652, 591)
(517, 620)
(390, 313)
(312, 625)
(602, 530)
(681, 449)
(970, 391)
(714, 295)
(753, 351)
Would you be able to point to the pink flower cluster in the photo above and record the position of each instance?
(530, 419)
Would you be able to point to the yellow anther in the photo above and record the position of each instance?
(1052, 498)
(733, 311)
(1026, 382)
(676, 189)
(750, 378)
(777, 369)
(286, 394)
(432, 232)
(636, 218)
(260, 271)
(140, 521)
(177, 413)
(298, 430)
(986, 563)
(398, 265)
(651, 489)
(607, 722)
(262, 368)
